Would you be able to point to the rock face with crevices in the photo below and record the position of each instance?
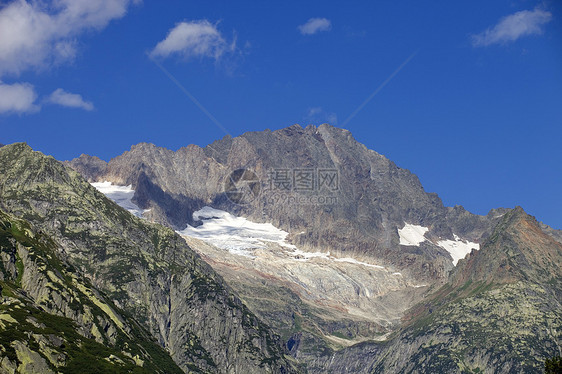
(115, 280)
(52, 319)
(499, 312)
(358, 217)
(359, 213)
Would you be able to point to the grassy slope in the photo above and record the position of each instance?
(32, 324)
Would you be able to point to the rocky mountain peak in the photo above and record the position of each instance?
(370, 198)
(91, 167)
(371, 257)
(28, 167)
(517, 249)
(19, 147)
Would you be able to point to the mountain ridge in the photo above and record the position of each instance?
(83, 163)
(484, 311)
(371, 179)
(376, 200)
(145, 269)
(479, 321)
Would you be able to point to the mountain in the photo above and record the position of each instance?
(83, 280)
(517, 250)
(329, 242)
(360, 213)
(499, 312)
(52, 319)
(275, 251)
(501, 308)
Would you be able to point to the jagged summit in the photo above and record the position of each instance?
(326, 267)
(370, 200)
(91, 167)
(518, 249)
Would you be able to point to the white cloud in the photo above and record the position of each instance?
(63, 98)
(512, 27)
(17, 98)
(37, 34)
(313, 111)
(194, 39)
(315, 25)
(317, 115)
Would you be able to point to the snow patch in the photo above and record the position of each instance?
(412, 235)
(241, 236)
(354, 261)
(235, 234)
(458, 248)
(122, 195)
(299, 255)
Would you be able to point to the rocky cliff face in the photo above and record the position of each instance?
(90, 167)
(500, 312)
(53, 320)
(322, 186)
(144, 270)
(346, 209)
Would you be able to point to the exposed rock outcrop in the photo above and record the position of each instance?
(52, 319)
(91, 167)
(359, 216)
(348, 199)
(145, 270)
(500, 312)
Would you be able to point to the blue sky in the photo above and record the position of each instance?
(473, 106)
